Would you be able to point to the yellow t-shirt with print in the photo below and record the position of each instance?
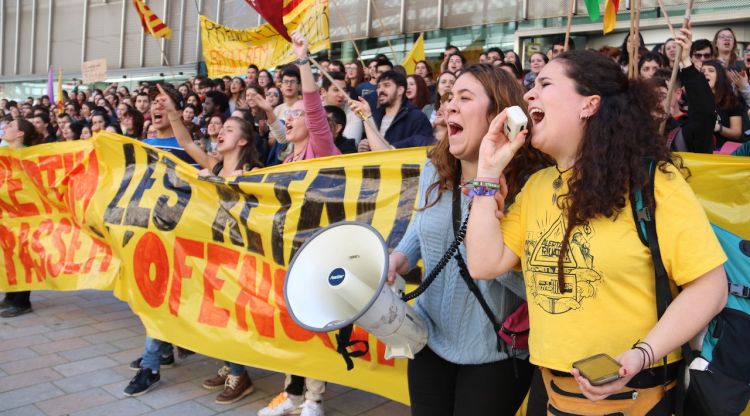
(608, 302)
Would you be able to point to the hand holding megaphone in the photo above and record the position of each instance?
(331, 286)
(397, 264)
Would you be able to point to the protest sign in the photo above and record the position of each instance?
(229, 51)
(94, 71)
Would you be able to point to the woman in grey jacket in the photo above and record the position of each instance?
(461, 371)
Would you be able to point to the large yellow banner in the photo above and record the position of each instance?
(202, 261)
(229, 51)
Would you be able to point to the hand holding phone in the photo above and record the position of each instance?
(598, 369)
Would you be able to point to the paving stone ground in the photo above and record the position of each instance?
(70, 357)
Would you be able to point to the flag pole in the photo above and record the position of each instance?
(367, 120)
(566, 46)
(634, 42)
(637, 47)
(377, 16)
(666, 16)
(675, 68)
(351, 36)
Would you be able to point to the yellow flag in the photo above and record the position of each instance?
(415, 55)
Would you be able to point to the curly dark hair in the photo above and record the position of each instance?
(503, 91)
(617, 141)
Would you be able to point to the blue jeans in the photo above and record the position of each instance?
(235, 369)
(154, 350)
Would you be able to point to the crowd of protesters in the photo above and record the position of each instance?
(231, 125)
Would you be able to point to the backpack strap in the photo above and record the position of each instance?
(459, 230)
(645, 220)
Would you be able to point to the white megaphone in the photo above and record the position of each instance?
(338, 278)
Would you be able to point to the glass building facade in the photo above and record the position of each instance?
(37, 34)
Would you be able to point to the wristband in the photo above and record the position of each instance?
(487, 179)
(302, 61)
(476, 184)
(481, 191)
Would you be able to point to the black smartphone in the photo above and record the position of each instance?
(598, 369)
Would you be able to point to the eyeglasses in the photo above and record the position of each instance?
(289, 82)
(706, 55)
(292, 114)
(726, 37)
(272, 94)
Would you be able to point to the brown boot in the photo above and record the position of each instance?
(235, 388)
(217, 381)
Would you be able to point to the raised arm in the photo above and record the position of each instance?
(319, 131)
(487, 254)
(183, 137)
(299, 45)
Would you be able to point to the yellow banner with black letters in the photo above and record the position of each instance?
(203, 261)
(229, 51)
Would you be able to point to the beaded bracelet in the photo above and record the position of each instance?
(475, 184)
(481, 191)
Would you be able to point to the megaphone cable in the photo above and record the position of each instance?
(440, 266)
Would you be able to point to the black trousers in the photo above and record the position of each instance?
(440, 388)
(19, 299)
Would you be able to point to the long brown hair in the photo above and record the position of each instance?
(724, 95)
(422, 95)
(30, 136)
(359, 78)
(617, 141)
(733, 53)
(503, 91)
(248, 159)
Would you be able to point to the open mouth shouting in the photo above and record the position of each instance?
(454, 128)
(537, 115)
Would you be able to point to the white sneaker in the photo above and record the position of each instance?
(312, 408)
(283, 404)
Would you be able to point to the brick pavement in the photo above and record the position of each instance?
(70, 357)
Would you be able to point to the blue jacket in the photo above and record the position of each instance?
(410, 127)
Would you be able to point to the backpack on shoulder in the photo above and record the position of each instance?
(718, 376)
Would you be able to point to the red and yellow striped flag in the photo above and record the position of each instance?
(610, 15)
(151, 23)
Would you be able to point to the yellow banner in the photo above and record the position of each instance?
(229, 51)
(202, 262)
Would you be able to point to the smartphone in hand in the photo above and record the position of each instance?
(598, 369)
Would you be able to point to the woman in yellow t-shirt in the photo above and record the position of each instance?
(589, 279)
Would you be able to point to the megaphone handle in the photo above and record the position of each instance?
(343, 342)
